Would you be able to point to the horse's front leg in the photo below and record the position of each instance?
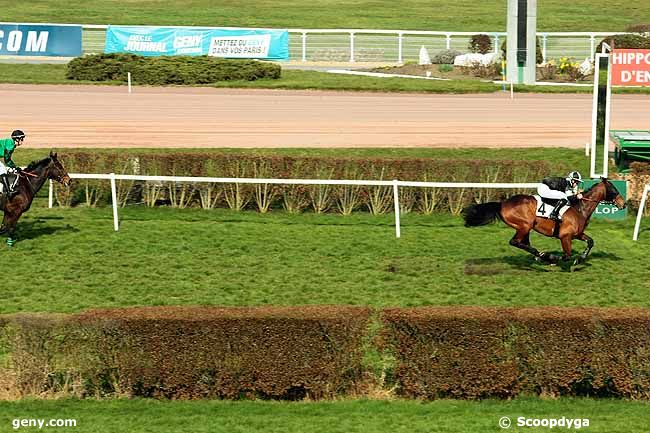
(590, 245)
(10, 223)
(566, 246)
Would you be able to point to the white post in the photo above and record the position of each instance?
(496, 45)
(351, 47)
(116, 223)
(397, 210)
(587, 147)
(512, 91)
(448, 41)
(544, 42)
(400, 48)
(592, 47)
(128, 76)
(639, 214)
(304, 47)
(50, 197)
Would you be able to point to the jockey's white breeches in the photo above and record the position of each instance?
(3, 169)
(547, 192)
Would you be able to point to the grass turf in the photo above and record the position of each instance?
(306, 80)
(460, 15)
(70, 260)
(139, 416)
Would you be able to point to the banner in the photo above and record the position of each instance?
(175, 41)
(631, 67)
(40, 40)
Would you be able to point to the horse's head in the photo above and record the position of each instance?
(56, 171)
(611, 194)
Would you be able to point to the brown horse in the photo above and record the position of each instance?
(30, 181)
(519, 213)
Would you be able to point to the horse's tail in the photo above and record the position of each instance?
(482, 214)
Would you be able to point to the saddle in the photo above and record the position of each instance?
(12, 179)
(545, 207)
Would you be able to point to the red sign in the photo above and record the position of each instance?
(631, 67)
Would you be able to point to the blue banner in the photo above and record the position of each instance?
(40, 40)
(176, 41)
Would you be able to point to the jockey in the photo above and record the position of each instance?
(7, 147)
(562, 189)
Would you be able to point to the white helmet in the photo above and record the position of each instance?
(574, 176)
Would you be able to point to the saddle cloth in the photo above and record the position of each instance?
(545, 207)
(13, 178)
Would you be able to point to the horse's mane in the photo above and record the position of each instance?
(35, 164)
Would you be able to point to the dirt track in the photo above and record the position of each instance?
(94, 116)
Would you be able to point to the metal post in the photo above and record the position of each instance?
(128, 75)
(351, 47)
(448, 41)
(496, 45)
(397, 209)
(116, 223)
(544, 43)
(592, 47)
(304, 47)
(639, 214)
(400, 48)
(50, 197)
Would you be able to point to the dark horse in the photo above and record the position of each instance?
(519, 213)
(30, 181)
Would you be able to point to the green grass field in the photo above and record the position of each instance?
(444, 416)
(70, 260)
(461, 15)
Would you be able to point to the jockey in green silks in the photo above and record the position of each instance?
(7, 147)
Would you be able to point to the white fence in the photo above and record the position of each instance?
(637, 225)
(393, 46)
(395, 184)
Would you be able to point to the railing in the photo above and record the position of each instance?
(180, 179)
(390, 46)
(639, 214)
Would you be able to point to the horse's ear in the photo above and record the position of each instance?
(603, 179)
(52, 154)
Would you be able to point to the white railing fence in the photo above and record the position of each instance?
(393, 46)
(639, 215)
(395, 184)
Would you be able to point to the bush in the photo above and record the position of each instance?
(625, 41)
(471, 352)
(480, 43)
(445, 57)
(445, 68)
(190, 70)
(192, 352)
(241, 196)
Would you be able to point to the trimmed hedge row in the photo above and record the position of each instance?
(296, 198)
(165, 70)
(317, 352)
(503, 352)
(191, 352)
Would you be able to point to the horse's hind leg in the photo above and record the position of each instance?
(521, 240)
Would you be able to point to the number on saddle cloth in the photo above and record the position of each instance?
(545, 207)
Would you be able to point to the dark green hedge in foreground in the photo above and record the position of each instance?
(168, 70)
(323, 352)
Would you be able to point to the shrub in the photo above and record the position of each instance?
(480, 43)
(192, 352)
(471, 352)
(445, 57)
(180, 70)
(626, 41)
(445, 68)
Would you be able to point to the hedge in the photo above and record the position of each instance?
(191, 352)
(465, 352)
(190, 70)
(638, 41)
(318, 352)
(295, 198)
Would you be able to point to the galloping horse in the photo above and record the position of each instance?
(519, 213)
(30, 181)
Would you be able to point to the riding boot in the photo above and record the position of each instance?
(556, 210)
(7, 187)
